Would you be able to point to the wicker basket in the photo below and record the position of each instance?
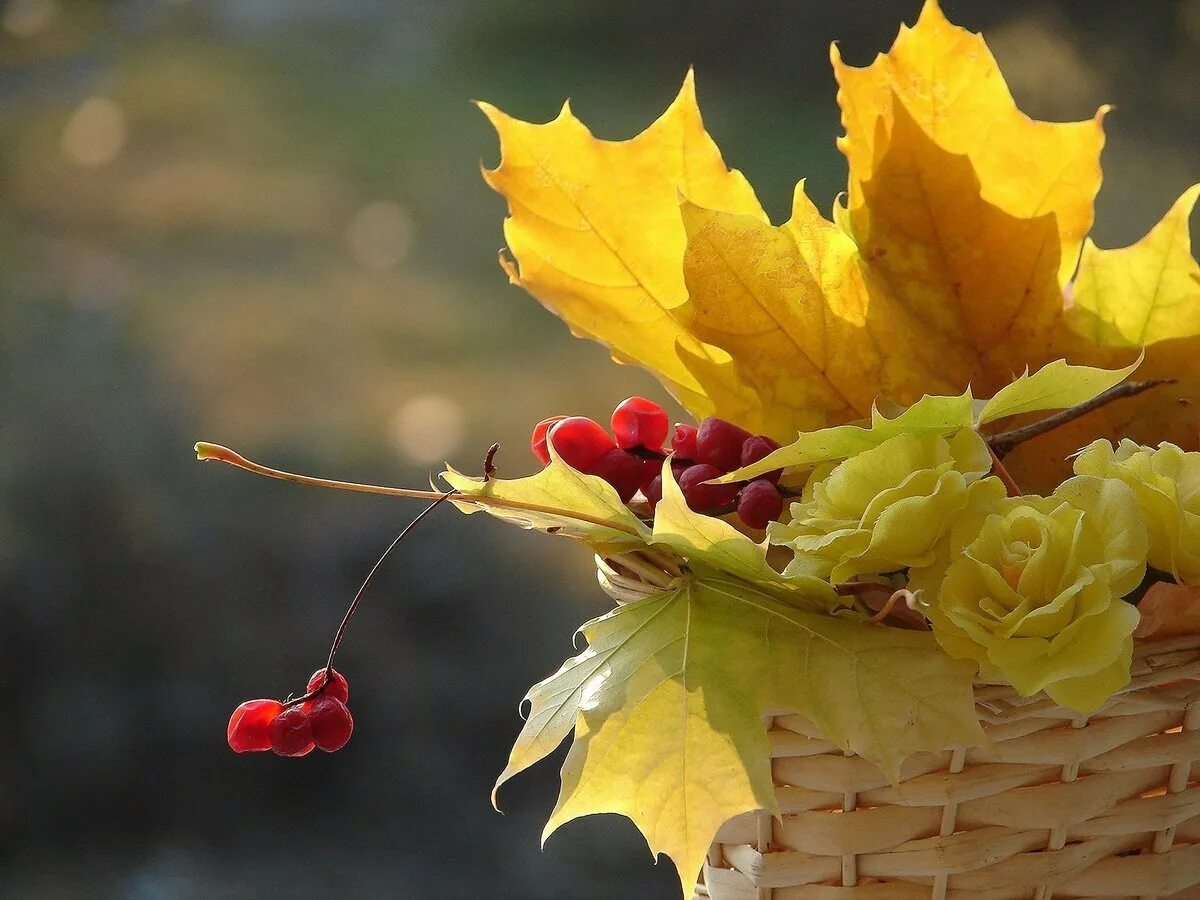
(1058, 806)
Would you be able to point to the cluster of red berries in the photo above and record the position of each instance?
(293, 729)
(630, 459)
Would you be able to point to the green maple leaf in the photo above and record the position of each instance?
(1057, 385)
(667, 700)
(558, 500)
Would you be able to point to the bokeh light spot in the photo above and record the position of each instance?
(25, 18)
(428, 428)
(379, 235)
(95, 133)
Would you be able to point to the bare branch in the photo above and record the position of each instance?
(1006, 441)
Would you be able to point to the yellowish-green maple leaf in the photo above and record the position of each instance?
(560, 500)
(1144, 293)
(667, 703)
(1147, 293)
(1054, 386)
(1057, 385)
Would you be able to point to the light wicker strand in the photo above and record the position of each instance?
(949, 813)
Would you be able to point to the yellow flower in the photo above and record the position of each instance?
(1032, 590)
(886, 508)
(1166, 483)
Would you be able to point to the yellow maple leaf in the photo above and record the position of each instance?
(595, 230)
(946, 80)
(948, 265)
(982, 282)
(786, 303)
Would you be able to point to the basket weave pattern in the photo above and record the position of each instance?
(1057, 806)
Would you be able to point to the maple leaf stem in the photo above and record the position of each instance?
(1004, 443)
(1014, 489)
(207, 451)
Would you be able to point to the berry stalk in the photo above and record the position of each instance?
(206, 451)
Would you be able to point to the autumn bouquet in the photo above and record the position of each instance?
(921, 479)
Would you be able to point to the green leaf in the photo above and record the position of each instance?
(1056, 385)
(668, 697)
(558, 500)
(561, 500)
(929, 415)
(614, 641)
(707, 540)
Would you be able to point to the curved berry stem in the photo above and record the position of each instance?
(354, 604)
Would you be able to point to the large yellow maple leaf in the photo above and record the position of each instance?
(595, 230)
(949, 265)
(946, 80)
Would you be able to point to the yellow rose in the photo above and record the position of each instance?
(1166, 483)
(886, 508)
(1032, 590)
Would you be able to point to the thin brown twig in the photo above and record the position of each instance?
(853, 588)
(489, 462)
(1003, 443)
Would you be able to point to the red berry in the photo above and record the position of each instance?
(580, 442)
(622, 470)
(638, 422)
(683, 442)
(719, 443)
(759, 504)
(759, 447)
(653, 491)
(338, 688)
(250, 724)
(537, 443)
(703, 497)
(331, 722)
(291, 733)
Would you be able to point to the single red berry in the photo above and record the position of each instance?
(651, 469)
(291, 733)
(339, 687)
(759, 504)
(537, 443)
(623, 470)
(331, 722)
(638, 422)
(719, 443)
(759, 447)
(580, 442)
(704, 497)
(249, 726)
(653, 491)
(683, 441)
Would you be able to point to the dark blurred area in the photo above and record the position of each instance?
(261, 222)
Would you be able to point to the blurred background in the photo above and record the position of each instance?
(261, 222)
